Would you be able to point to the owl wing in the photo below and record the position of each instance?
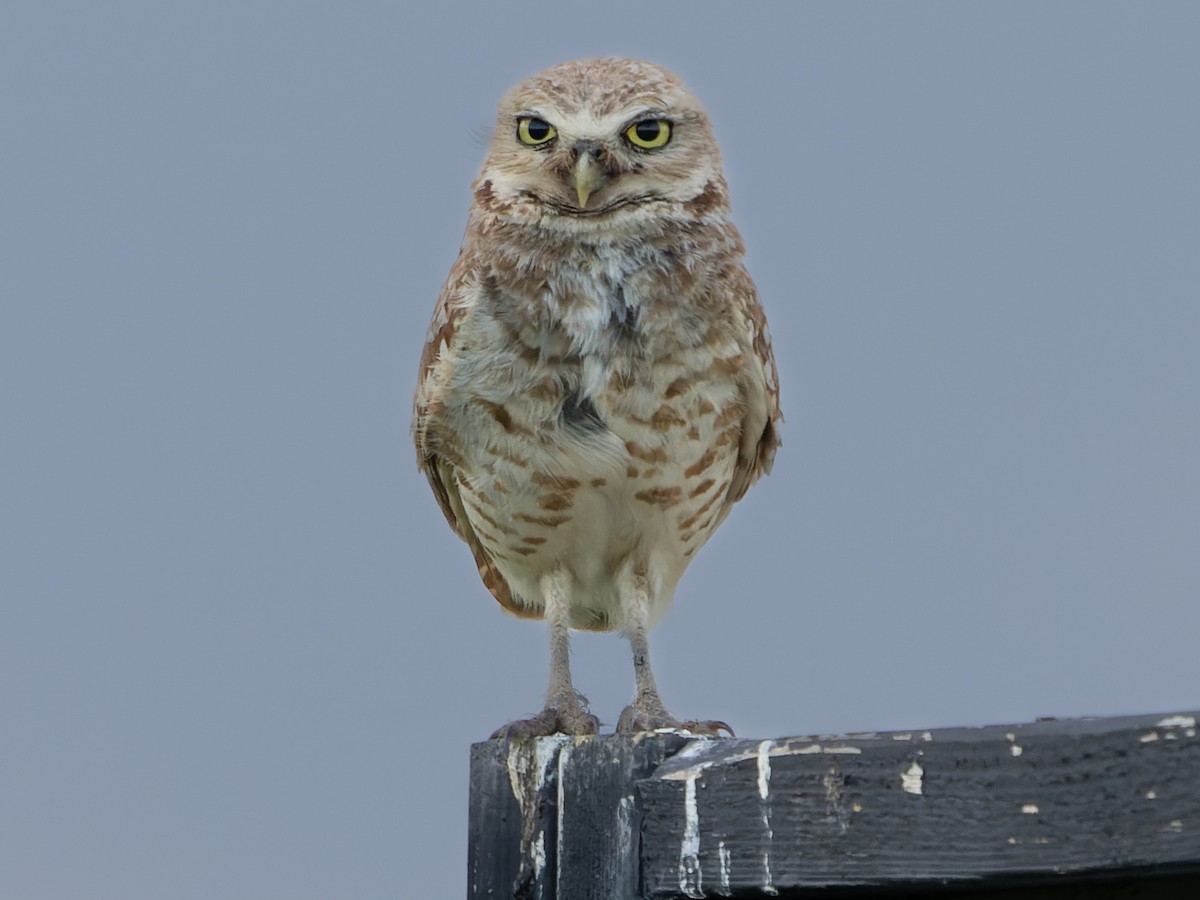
(760, 382)
(434, 454)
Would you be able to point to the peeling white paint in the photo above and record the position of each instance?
(1041, 839)
(693, 771)
(1016, 750)
(625, 808)
(764, 790)
(912, 778)
(1030, 809)
(927, 735)
(1013, 840)
(1175, 825)
(690, 749)
(768, 885)
(525, 791)
(691, 879)
(696, 748)
(564, 755)
(724, 856)
(856, 807)
(1177, 722)
(833, 796)
(764, 769)
(1010, 736)
(818, 748)
(777, 748)
(905, 736)
(1151, 795)
(538, 853)
(1149, 737)
(517, 762)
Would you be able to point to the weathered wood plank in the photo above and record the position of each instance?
(1071, 808)
(600, 816)
(988, 806)
(558, 818)
(513, 844)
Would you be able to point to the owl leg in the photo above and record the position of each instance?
(565, 712)
(647, 712)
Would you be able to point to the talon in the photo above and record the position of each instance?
(650, 716)
(713, 727)
(551, 720)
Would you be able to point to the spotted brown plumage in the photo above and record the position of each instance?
(598, 387)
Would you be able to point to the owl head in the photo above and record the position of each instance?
(597, 141)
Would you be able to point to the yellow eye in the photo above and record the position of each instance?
(534, 131)
(649, 134)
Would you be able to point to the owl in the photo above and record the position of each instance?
(598, 386)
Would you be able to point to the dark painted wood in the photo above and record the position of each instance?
(503, 827)
(1058, 809)
(600, 817)
(559, 818)
(999, 805)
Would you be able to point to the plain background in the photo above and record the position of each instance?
(241, 653)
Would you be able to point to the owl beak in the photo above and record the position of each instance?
(589, 176)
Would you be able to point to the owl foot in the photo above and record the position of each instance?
(557, 718)
(650, 716)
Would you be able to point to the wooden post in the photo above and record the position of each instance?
(1060, 808)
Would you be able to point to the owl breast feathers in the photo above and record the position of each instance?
(598, 387)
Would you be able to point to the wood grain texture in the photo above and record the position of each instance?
(1068, 808)
(559, 818)
(993, 805)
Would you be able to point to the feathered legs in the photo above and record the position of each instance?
(647, 712)
(564, 713)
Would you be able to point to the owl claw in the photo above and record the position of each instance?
(644, 718)
(567, 719)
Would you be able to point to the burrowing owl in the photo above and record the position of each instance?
(598, 387)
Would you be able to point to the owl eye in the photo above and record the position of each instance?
(534, 131)
(649, 134)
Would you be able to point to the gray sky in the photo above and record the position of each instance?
(241, 654)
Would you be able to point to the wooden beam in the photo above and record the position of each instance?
(1057, 808)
